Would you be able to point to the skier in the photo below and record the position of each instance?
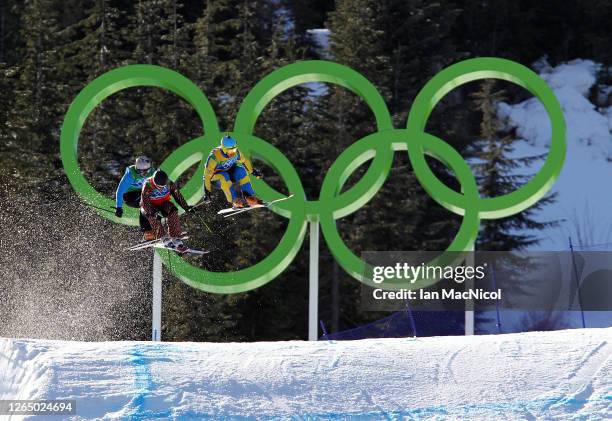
(225, 166)
(130, 187)
(155, 200)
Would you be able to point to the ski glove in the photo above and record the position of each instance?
(257, 173)
(118, 212)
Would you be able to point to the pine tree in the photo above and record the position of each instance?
(170, 119)
(526, 31)
(495, 172)
(595, 32)
(357, 41)
(419, 43)
(10, 43)
(8, 146)
(96, 44)
(496, 176)
(194, 314)
(10, 39)
(35, 118)
(137, 121)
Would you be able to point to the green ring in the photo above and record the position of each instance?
(363, 150)
(114, 81)
(316, 71)
(273, 264)
(468, 71)
(337, 175)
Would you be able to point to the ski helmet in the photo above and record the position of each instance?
(143, 163)
(160, 178)
(228, 144)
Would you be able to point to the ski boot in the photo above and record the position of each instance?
(238, 203)
(149, 235)
(175, 244)
(254, 201)
(169, 243)
(179, 246)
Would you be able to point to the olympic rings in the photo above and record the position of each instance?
(332, 203)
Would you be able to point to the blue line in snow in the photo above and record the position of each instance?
(540, 405)
(143, 380)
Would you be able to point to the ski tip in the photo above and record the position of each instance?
(188, 251)
(196, 252)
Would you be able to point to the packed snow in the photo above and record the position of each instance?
(552, 375)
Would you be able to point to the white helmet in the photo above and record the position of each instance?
(143, 163)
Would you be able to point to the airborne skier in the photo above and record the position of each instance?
(225, 166)
(155, 200)
(130, 187)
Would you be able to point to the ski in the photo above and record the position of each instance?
(245, 209)
(228, 210)
(233, 211)
(188, 251)
(152, 243)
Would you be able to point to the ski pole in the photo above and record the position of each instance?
(197, 205)
(202, 221)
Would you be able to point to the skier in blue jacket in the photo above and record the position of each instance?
(130, 187)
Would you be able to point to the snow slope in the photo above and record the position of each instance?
(552, 375)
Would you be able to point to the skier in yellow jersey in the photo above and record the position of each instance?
(225, 166)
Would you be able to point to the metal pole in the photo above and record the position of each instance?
(412, 322)
(499, 328)
(323, 329)
(157, 298)
(469, 304)
(313, 296)
(577, 282)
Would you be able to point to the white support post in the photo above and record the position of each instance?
(157, 298)
(469, 304)
(313, 296)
